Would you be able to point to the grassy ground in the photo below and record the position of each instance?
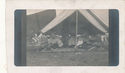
(67, 58)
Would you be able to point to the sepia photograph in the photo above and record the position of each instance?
(56, 36)
(67, 37)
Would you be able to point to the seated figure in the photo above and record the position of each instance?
(72, 41)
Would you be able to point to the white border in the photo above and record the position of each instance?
(12, 5)
(3, 66)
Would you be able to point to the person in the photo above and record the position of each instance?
(55, 41)
(59, 41)
(72, 42)
(79, 42)
(34, 38)
(104, 40)
(52, 43)
(43, 41)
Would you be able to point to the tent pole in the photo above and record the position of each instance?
(76, 27)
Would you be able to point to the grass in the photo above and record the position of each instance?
(67, 58)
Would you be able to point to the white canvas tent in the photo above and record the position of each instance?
(94, 20)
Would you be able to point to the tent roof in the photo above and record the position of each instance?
(91, 17)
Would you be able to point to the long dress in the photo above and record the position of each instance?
(71, 41)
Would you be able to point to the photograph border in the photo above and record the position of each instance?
(11, 6)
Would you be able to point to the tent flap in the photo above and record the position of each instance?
(92, 20)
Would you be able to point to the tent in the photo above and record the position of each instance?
(51, 20)
(86, 13)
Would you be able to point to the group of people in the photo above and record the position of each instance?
(88, 41)
(47, 41)
(54, 41)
